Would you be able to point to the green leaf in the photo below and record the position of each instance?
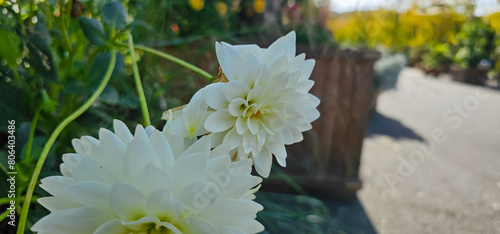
(40, 55)
(115, 15)
(48, 105)
(93, 30)
(100, 65)
(12, 105)
(10, 49)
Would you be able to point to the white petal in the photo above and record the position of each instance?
(197, 197)
(263, 76)
(112, 151)
(142, 224)
(214, 96)
(194, 114)
(307, 68)
(241, 125)
(313, 99)
(216, 167)
(253, 124)
(238, 185)
(219, 121)
(122, 131)
(200, 146)
(87, 146)
(234, 213)
(304, 85)
(127, 202)
(249, 68)
(252, 48)
(57, 203)
(236, 89)
(241, 167)
(221, 147)
(151, 178)
(162, 204)
(237, 106)
(276, 50)
(91, 193)
(188, 170)
(233, 138)
(263, 161)
(177, 127)
(171, 227)
(140, 133)
(312, 115)
(249, 143)
(139, 153)
(56, 185)
(84, 168)
(196, 225)
(75, 220)
(112, 227)
(277, 148)
(163, 150)
(280, 65)
(228, 57)
(290, 39)
(255, 95)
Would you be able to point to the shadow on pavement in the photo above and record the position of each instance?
(383, 125)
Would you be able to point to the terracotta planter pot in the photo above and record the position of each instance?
(327, 161)
(470, 75)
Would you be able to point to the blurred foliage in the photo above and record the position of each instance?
(475, 43)
(415, 27)
(433, 36)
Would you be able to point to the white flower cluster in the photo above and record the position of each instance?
(195, 175)
(263, 106)
(143, 183)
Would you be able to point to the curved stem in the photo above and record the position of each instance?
(171, 58)
(53, 137)
(4, 215)
(138, 84)
(32, 135)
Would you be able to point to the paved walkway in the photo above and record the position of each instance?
(431, 160)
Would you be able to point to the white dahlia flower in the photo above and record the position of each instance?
(143, 183)
(263, 106)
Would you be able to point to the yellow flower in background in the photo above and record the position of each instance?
(259, 6)
(221, 8)
(494, 20)
(196, 4)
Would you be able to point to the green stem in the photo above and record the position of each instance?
(20, 19)
(138, 84)
(64, 27)
(32, 135)
(6, 200)
(4, 215)
(171, 58)
(16, 76)
(53, 137)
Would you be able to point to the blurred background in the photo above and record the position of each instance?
(407, 141)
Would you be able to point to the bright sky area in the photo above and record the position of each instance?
(483, 7)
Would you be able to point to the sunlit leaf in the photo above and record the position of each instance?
(10, 47)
